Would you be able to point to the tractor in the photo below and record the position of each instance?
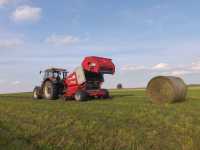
(83, 83)
(52, 85)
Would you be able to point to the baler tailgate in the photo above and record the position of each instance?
(99, 65)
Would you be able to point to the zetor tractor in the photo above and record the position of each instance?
(85, 82)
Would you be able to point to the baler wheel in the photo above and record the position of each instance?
(50, 90)
(80, 96)
(106, 94)
(37, 93)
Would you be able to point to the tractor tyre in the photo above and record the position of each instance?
(50, 91)
(107, 95)
(37, 93)
(80, 96)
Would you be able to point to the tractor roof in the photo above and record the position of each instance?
(55, 69)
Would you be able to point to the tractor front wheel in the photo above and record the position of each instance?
(50, 90)
(37, 93)
(80, 96)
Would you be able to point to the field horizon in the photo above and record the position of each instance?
(124, 88)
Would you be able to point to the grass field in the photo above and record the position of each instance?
(127, 121)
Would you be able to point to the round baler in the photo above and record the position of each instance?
(86, 81)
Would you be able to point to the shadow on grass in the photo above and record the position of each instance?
(122, 95)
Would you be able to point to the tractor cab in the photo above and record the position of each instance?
(55, 74)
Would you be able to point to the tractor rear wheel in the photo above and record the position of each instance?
(37, 93)
(80, 96)
(50, 90)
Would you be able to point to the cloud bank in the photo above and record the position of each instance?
(5, 2)
(10, 43)
(27, 13)
(62, 40)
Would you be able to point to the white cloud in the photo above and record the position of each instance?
(195, 66)
(11, 43)
(132, 67)
(62, 40)
(179, 72)
(27, 13)
(161, 66)
(166, 69)
(16, 82)
(5, 2)
(182, 70)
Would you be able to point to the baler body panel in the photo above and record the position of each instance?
(98, 65)
(71, 84)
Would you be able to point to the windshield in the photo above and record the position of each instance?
(55, 74)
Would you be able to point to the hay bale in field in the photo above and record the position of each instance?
(163, 89)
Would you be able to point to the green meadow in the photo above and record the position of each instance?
(128, 121)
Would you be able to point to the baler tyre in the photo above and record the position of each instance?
(106, 96)
(80, 96)
(50, 90)
(37, 93)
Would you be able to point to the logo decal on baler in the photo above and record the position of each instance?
(92, 65)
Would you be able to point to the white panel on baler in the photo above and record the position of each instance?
(80, 75)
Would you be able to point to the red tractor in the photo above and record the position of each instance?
(52, 85)
(85, 82)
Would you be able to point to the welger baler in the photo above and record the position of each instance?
(86, 80)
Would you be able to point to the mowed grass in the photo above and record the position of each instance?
(127, 121)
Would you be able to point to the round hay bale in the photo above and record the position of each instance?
(163, 89)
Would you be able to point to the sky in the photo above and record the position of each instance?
(144, 38)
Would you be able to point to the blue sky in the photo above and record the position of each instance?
(144, 38)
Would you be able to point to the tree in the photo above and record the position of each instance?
(119, 86)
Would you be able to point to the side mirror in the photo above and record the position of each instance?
(40, 72)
